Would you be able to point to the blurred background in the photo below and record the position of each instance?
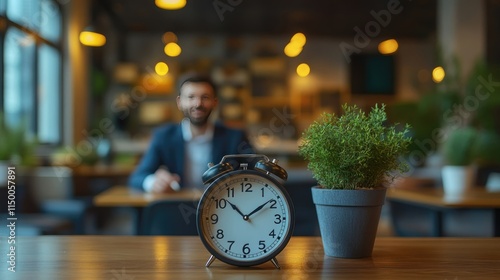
(83, 82)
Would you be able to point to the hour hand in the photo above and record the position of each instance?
(237, 210)
(258, 208)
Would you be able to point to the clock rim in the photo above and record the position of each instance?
(265, 257)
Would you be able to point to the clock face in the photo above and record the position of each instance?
(245, 218)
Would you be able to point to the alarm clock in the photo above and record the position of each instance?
(245, 216)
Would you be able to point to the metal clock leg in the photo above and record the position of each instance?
(275, 262)
(210, 260)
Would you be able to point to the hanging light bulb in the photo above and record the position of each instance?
(295, 46)
(388, 46)
(169, 37)
(161, 68)
(170, 4)
(88, 37)
(299, 38)
(438, 74)
(303, 70)
(172, 49)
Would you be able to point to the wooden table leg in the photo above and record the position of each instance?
(496, 222)
(138, 220)
(437, 223)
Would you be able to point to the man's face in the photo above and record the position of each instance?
(196, 102)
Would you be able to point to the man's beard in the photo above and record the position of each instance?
(198, 121)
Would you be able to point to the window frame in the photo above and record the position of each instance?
(5, 24)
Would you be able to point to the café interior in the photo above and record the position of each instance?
(77, 111)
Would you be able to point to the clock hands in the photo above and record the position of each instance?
(245, 217)
(258, 208)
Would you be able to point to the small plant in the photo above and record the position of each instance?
(486, 148)
(354, 150)
(14, 144)
(458, 146)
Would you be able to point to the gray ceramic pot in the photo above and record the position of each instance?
(348, 220)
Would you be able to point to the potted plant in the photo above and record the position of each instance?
(352, 157)
(15, 148)
(487, 157)
(458, 155)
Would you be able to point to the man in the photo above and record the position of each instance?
(179, 153)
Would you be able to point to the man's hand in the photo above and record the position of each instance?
(164, 180)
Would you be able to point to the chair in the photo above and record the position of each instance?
(169, 218)
(50, 195)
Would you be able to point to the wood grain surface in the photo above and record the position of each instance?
(176, 257)
(119, 196)
(477, 197)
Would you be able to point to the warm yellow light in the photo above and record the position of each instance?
(93, 39)
(295, 46)
(299, 38)
(303, 70)
(388, 46)
(161, 68)
(438, 74)
(170, 4)
(172, 49)
(169, 37)
(292, 49)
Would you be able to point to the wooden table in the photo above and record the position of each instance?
(435, 200)
(103, 170)
(123, 196)
(90, 180)
(182, 257)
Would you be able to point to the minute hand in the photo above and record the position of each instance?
(258, 208)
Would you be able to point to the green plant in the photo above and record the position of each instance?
(477, 88)
(14, 144)
(486, 148)
(458, 146)
(355, 150)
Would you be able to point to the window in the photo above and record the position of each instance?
(372, 73)
(49, 87)
(31, 82)
(19, 82)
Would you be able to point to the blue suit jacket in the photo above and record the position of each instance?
(167, 148)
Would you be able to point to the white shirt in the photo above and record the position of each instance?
(197, 155)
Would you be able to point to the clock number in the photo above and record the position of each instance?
(214, 219)
(230, 244)
(248, 187)
(278, 219)
(262, 190)
(230, 192)
(246, 249)
(273, 204)
(220, 234)
(272, 234)
(222, 203)
(262, 244)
